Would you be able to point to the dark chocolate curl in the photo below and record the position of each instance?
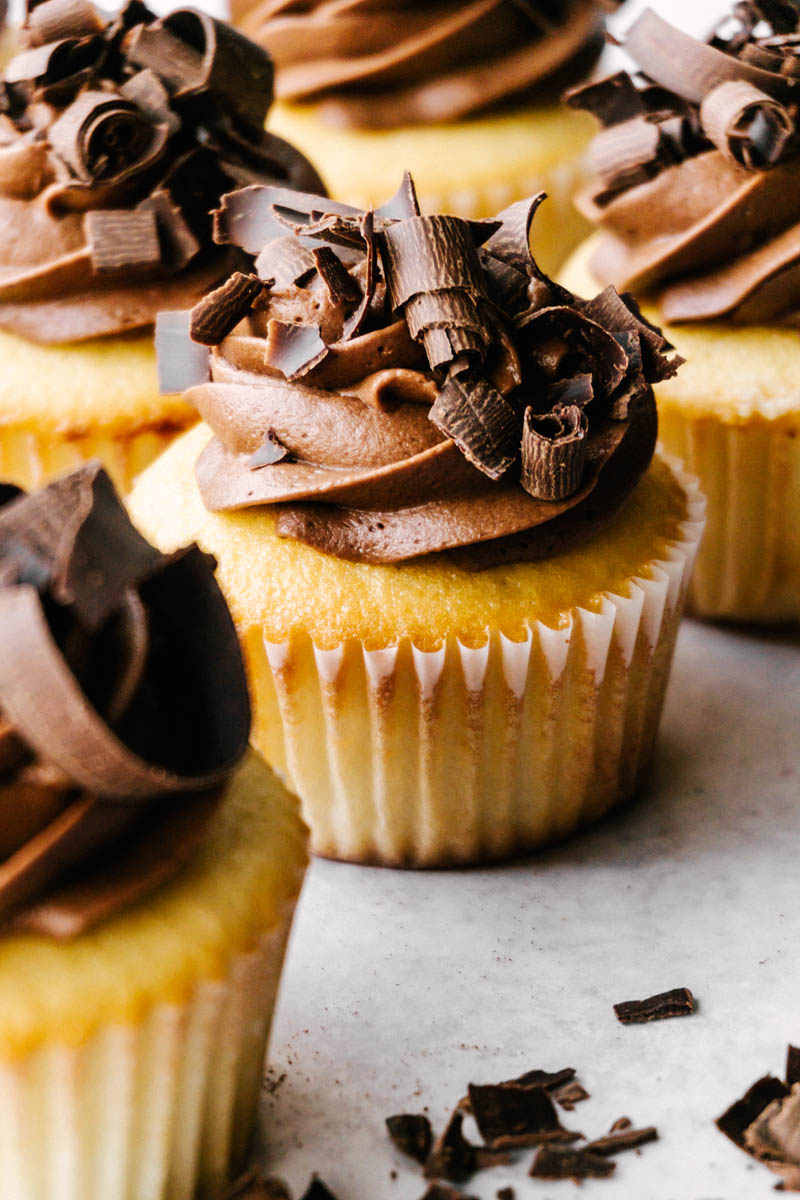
(221, 310)
(628, 153)
(100, 134)
(57, 19)
(749, 127)
(430, 254)
(480, 421)
(553, 452)
(285, 261)
(122, 241)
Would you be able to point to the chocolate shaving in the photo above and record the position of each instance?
(456, 1159)
(57, 19)
(182, 363)
(441, 1191)
(221, 310)
(509, 1115)
(122, 241)
(285, 261)
(480, 421)
(737, 1119)
(569, 1094)
(411, 1134)
(748, 126)
(339, 283)
(555, 1162)
(679, 1002)
(294, 350)
(355, 322)
(553, 451)
(403, 204)
(99, 136)
(622, 1139)
(270, 451)
(613, 100)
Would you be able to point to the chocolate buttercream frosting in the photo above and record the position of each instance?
(117, 138)
(123, 706)
(387, 63)
(399, 384)
(698, 167)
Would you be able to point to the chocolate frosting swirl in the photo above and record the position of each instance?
(115, 734)
(401, 384)
(387, 63)
(698, 167)
(117, 137)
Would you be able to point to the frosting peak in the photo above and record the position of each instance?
(698, 167)
(117, 137)
(387, 63)
(115, 733)
(401, 384)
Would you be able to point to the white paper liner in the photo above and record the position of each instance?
(30, 460)
(159, 1110)
(415, 758)
(748, 567)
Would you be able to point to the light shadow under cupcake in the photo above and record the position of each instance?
(456, 575)
(118, 135)
(696, 199)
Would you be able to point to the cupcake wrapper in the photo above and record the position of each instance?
(748, 567)
(412, 758)
(159, 1110)
(30, 460)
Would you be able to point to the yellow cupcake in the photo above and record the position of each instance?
(466, 100)
(701, 228)
(150, 862)
(101, 229)
(732, 414)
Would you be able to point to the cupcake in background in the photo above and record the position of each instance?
(149, 862)
(117, 137)
(427, 482)
(697, 202)
(463, 95)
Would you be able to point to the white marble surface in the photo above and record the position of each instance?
(402, 987)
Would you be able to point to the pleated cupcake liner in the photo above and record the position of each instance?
(30, 459)
(405, 757)
(158, 1110)
(748, 567)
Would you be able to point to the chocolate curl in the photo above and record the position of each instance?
(480, 421)
(57, 19)
(355, 321)
(692, 69)
(339, 283)
(611, 100)
(248, 218)
(553, 452)
(101, 136)
(294, 350)
(403, 204)
(434, 275)
(148, 93)
(629, 153)
(221, 310)
(749, 127)
(178, 243)
(122, 241)
(207, 61)
(285, 261)
(58, 64)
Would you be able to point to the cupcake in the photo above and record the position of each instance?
(465, 96)
(696, 199)
(149, 862)
(117, 136)
(426, 477)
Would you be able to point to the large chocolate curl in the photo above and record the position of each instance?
(697, 167)
(382, 64)
(415, 385)
(115, 734)
(117, 138)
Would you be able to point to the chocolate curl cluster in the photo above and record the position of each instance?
(528, 381)
(737, 93)
(114, 733)
(147, 122)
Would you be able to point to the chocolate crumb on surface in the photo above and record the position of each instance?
(506, 1193)
(619, 1139)
(736, 1119)
(411, 1134)
(456, 1159)
(558, 1162)
(679, 1002)
(516, 1115)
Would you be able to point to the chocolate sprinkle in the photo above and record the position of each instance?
(556, 1162)
(679, 1002)
(411, 1134)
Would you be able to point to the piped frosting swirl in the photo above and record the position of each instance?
(400, 384)
(698, 167)
(117, 137)
(123, 706)
(389, 63)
